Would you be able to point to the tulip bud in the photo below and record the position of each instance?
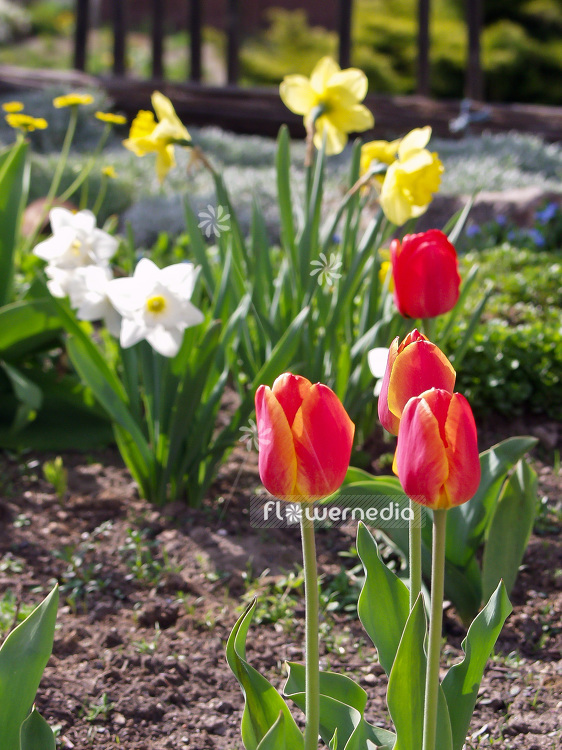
(413, 367)
(436, 457)
(425, 273)
(305, 438)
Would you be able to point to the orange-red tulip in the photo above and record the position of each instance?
(425, 273)
(413, 367)
(305, 438)
(437, 452)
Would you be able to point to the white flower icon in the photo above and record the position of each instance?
(250, 436)
(327, 269)
(293, 513)
(213, 221)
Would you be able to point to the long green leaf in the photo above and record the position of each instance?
(275, 739)
(27, 326)
(510, 529)
(467, 523)
(23, 657)
(36, 734)
(342, 706)
(462, 681)
(12, 181)
(384, 600)
(405, 694)
(263, 704)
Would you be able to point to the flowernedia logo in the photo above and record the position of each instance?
(383, 511)
(213, 221)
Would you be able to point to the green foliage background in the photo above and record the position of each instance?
(521, 48)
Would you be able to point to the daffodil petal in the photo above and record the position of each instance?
(323, 71)
(353, 119)
(415, 140)
(352, 79)
(335, 139)
(297, 94)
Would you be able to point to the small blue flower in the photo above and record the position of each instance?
(536, 236)
(501, 221)
(548, 213)
(472, 230)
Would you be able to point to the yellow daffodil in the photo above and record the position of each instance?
(411, 181)
(12, 107)
(412, 177)
(386, 269)
(109, 171)
(25, 123)
(72, 100)
(330, 101)
(147, 135)
(110, 118)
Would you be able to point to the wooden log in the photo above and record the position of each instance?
(158, 14)
(344, 31)
(195, 47)
(260, 110)
(81, 34)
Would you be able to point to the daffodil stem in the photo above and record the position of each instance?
(312, 688)
(415, 551)
(435, 626)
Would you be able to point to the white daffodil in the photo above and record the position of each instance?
(155, 305)
(76, 241)
(377, 359)
(87, 288)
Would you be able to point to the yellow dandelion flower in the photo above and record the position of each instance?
(72, 100)
(110, 118)
(12, 107)
(25, 123)
(330, 100)
(147, 135)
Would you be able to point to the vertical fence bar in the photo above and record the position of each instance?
(158, 13)
(423, 48)
(344, 31)
(233, 32)
(474, 88)
(81, 33)
(119, 32)
(195, 40)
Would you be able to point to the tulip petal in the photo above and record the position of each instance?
(418, 367)
(462, 452)
(290, 391)
(277, 457)
(421, 460)
(323, 437)
(389, 421)
(297, 94)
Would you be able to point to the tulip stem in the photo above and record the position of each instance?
(435, 627)
(312, 686)
(415, 552)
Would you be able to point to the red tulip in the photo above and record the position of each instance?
(425, 273)
(413, 367)
(437, 452)
(305, 438)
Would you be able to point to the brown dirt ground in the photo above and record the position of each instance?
(138, 660)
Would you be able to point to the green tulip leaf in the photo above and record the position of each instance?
(342, 703)
(36, 734)
(510, 530)
(263, 704)
(463, 587)
(384, 600)
(23, 657)
(462, 681)
(467, 524)
(406, 683)
(275, 738)
(406, 688)
(334, 741)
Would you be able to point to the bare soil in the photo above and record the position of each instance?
(149, 596)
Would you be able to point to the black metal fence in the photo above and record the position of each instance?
(233, 18)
